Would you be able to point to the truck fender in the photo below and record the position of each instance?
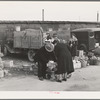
(31, 54)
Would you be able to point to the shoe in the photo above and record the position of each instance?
(59, 81)
(69, 75)
(41, 78)
(45, 77)
(64, 79)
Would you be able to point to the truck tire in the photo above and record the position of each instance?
(30, 55)
(83, 47)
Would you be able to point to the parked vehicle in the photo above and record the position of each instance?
(87, 38)
(27, 42)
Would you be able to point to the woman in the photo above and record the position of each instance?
(43, 55)
(64, 61)
(73, 45)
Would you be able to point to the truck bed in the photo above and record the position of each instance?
(29, 38)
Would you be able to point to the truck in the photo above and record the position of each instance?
(87, 38)
(27, 41)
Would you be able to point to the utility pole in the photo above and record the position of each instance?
(97, 16)
(42, 14)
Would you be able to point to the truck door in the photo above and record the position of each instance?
(91, 41)
(97, 36)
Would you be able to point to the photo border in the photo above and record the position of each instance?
(94, 96)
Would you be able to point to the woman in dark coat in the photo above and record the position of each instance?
(42, 56)
(64, 60)
(73, 45)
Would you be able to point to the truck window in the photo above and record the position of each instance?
(81, 35)
(97, 35)
(91, 35)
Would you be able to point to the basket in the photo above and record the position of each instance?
(83, 63)
(93, 61)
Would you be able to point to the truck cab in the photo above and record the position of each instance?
(87, 38)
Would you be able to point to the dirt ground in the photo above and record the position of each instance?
(84, 79)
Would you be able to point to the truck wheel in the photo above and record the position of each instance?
(83, 47)
(31, 54)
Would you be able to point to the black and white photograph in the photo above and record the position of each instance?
(50, 46)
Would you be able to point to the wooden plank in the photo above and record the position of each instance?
(28, 39)
(17, 42)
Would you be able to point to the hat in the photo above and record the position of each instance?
(49, 47)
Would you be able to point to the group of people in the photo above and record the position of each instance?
(58, 52)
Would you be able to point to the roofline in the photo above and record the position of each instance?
(86, 29)
(46, 22)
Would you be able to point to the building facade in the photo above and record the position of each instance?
(8, 27)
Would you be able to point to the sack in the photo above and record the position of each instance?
(93, 62)
(8, 64)
(1, 73)
(83, 63)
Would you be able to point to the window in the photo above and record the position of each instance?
(91, 35)
(97, 35)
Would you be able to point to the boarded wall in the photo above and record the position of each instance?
(7, 28)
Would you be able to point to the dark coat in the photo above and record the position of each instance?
(73, 49)
(42, 57)
(64, 59)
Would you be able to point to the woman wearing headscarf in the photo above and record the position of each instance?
(64, 61)
(43, 55)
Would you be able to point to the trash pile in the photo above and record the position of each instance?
(83, 60)
(4, 67)
(28, 68)
(24, 69)
(94, 59)
(10, 68)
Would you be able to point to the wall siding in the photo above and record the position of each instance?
(9, 27)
